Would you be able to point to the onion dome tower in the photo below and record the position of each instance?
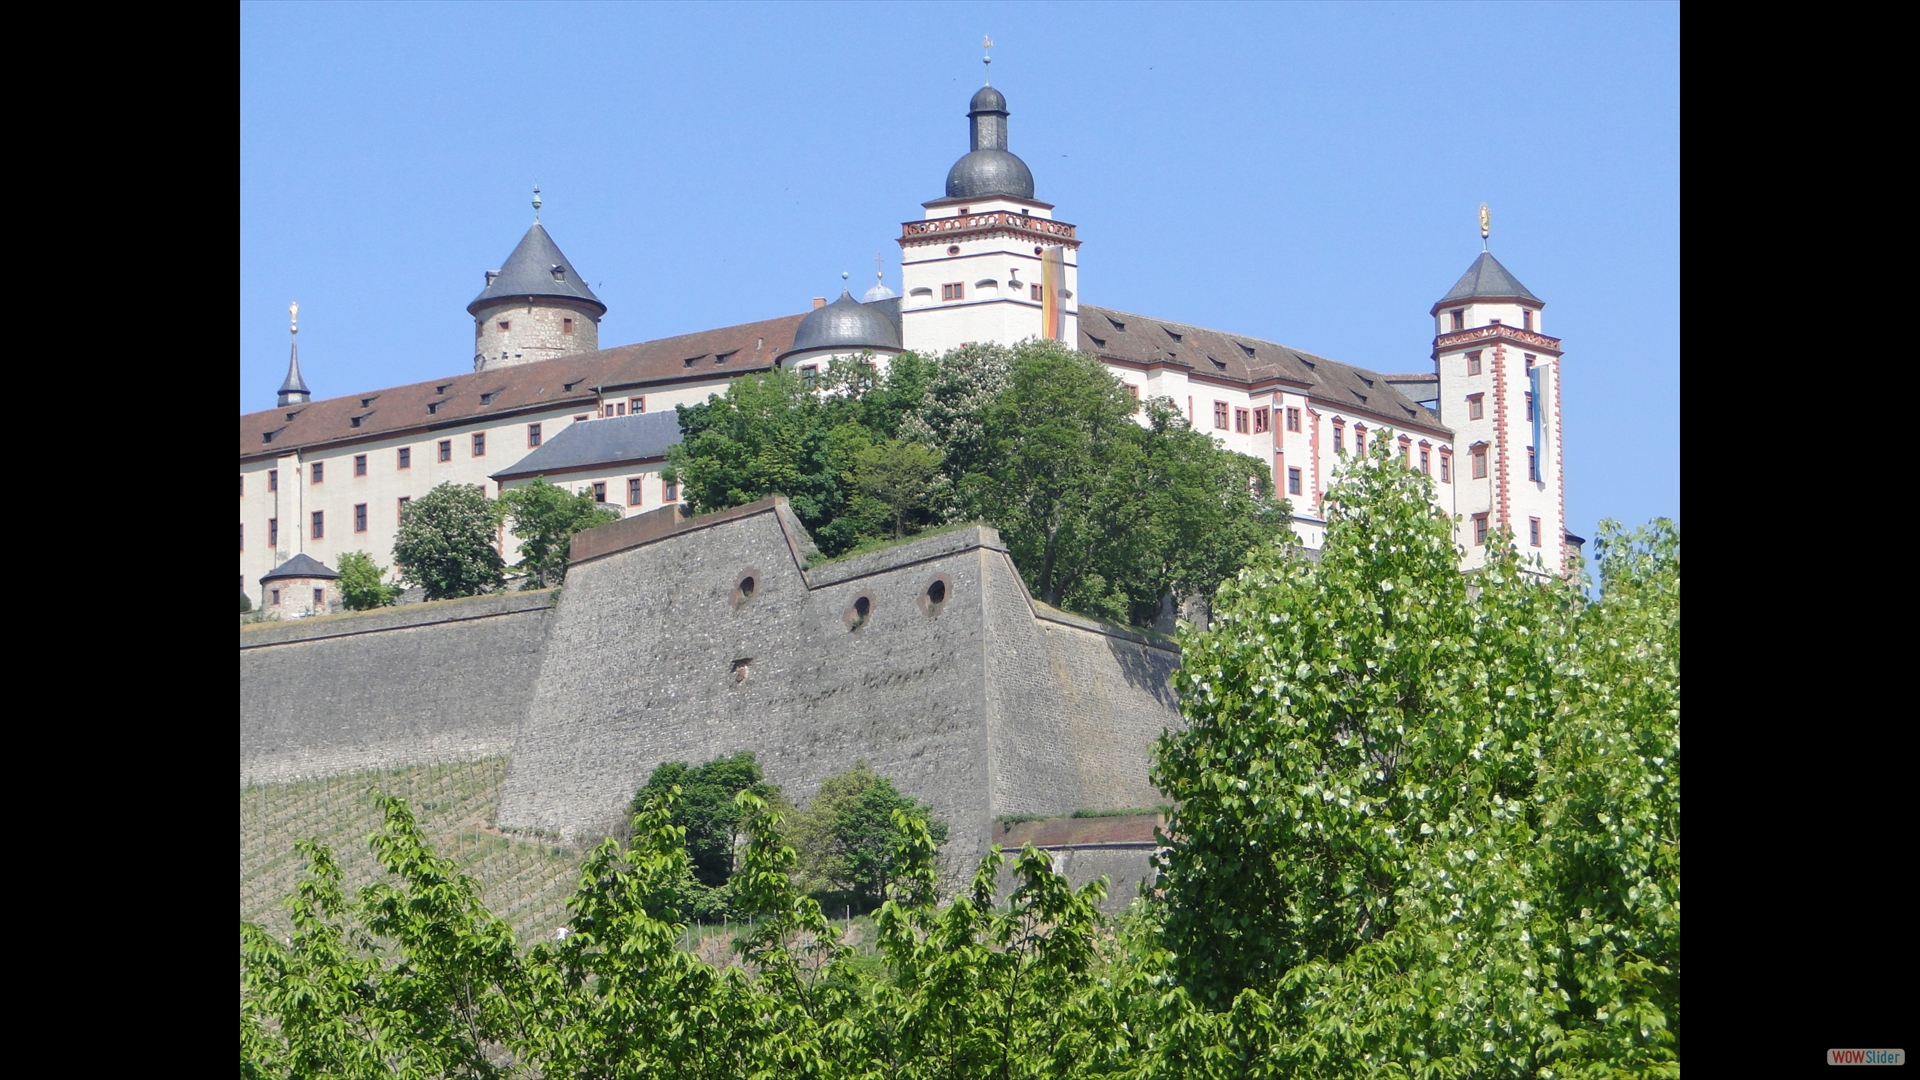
(535, 307)
(988, 262)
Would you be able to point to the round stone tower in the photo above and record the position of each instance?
(535, 307)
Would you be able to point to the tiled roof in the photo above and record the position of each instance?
(535, 268)
(640, 437)
(1486, 279)
(1241, 359)
(458, 400)
(302, 565)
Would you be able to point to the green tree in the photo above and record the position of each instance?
(898, 475)
(705, 808)
(363, 583)
(446, 543)
(847, 840)
(246, 604)
(545, 517)
(1379, 857)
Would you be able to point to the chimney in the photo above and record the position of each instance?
(819, 302)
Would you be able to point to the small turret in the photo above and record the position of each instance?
(294, 390)
(535, 307)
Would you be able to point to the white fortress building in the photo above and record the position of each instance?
(985, 262)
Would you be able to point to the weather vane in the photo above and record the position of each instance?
(536, 200)
(987, 43)
(293, 315)
(1486, 225)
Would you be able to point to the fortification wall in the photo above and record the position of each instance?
(382, 689)
(979, 705)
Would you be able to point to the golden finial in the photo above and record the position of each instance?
(1486, 225)
(293, 315)
(987, 43)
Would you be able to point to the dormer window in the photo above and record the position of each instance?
(434, 407)
(724, 357)
(559, 272)
(367, 402)
(690, 361)
(1245, 348)
(1117, 324)
(442, 388)
(1175, 336)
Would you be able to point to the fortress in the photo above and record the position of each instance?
(689, 639)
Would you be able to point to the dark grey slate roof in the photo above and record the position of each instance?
(294, 384)
(847, 324)
(987, 99)
(989, 172)
(529, 271)
(617, 439)
(302, 565)
(1486, 279)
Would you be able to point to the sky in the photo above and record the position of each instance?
(1306, 174)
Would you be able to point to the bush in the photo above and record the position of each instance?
(246, 605)
(362, 584)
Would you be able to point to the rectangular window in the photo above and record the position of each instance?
(637, 405)
(1262, 420)
(1293, 419)
(955, 291)
(1220, 415)
(1480, 463)
(566, 326)
(1533, 465)
(1034, 291)
(1446, 467)
(809, 376)
(404, 500)
(1473, 363)
(319, 524)
(319, 597)
(273, 479)
(1240, 421)
(600, 491)
(446, 449)
(1526, 323)
(359, 464)
(243, 536)
(1459, 318)
(1426, 461)
(1134, 393)
(1293, 481)
(273, 532)
(1359, 440)
(479, 444)
(1529, 407)
(670, 491)
(319, 472)
(1339, 438)
(1533, 531)
(633, 491)
(1479, 530)
(1406, 453)
(359, 517)
(1476, 406)
(275, 594)
(533, 435)
(243, 485)
(1530, 361)
(406, 457)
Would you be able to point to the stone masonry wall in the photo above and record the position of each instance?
(381, 689)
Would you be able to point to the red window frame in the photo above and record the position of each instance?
(359, 517)
(1476, 406)
(1220, 415)
(533, 435)
(633, 491)
(446, 449)
(1240, 422)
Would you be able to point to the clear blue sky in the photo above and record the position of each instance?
(1302, 173)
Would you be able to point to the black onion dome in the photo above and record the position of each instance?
(846, 325)
(987, 99)
(989, 172)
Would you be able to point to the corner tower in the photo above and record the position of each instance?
(1499, 391)
(535, 307)
(988, 262)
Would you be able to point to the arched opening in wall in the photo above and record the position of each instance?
(986, 287)
(744, 587)
(919, 297)
(859, 613)
(934, 597)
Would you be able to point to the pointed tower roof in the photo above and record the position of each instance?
(1486, 279)
(294, 390)
(536, 268)
(302, 565)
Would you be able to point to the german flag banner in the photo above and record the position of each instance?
(1053, 278)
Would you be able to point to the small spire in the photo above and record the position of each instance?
(1486, 225)
(294, 390)
(987, 43)
(536, 202)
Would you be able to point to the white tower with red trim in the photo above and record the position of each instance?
(988, 262)
(1499, 391)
